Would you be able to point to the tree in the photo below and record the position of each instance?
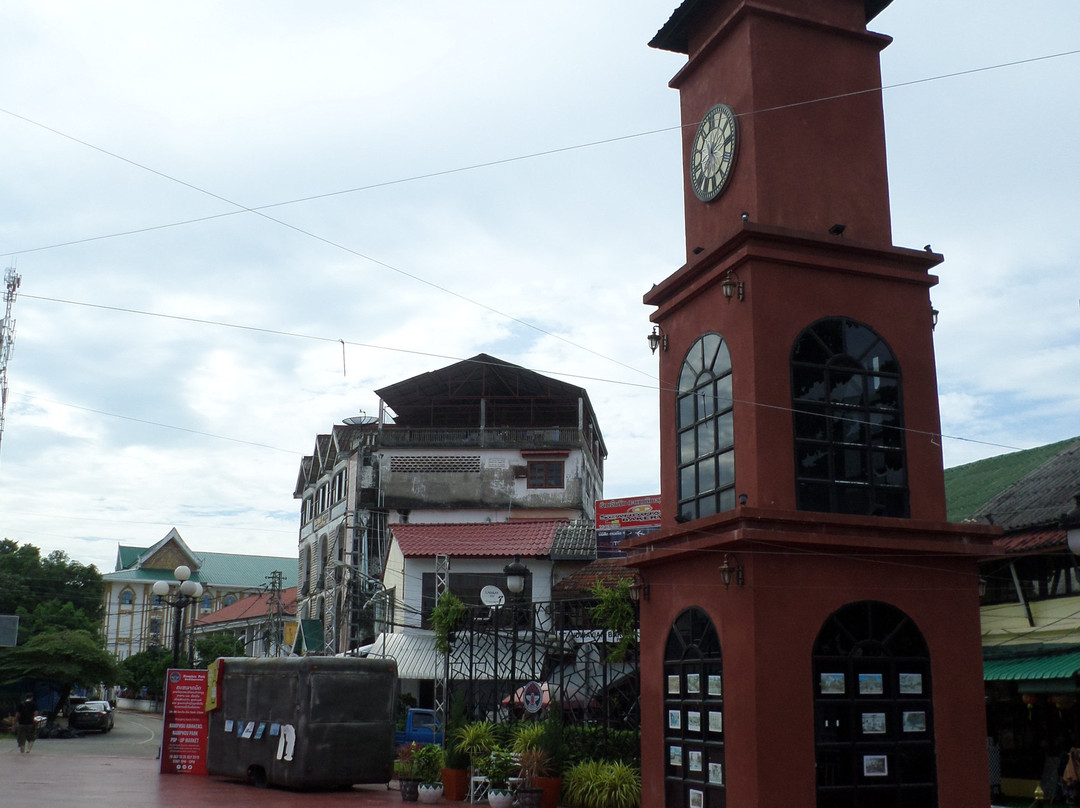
(28, 581)
(220, 644)
(146, 669)
(64, 658)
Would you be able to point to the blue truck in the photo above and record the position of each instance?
(421, 727)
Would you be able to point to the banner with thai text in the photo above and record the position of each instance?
(186, 724)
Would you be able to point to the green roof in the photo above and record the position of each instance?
(1032, 666)
(219, 569)
(971, 486)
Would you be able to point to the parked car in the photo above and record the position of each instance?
(91, 715)
(101, 705)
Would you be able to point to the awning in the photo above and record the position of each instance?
(1031, 666)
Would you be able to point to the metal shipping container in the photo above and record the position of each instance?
(304, 722)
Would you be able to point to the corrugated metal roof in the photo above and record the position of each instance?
(221, 570)
(1040, 498)
(530, 538)
(1062, 665)
(471, 654)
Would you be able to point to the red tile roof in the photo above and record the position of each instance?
(1026, 541)
(478, 539)
(254, 606)
(603, 569)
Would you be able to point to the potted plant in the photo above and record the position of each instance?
(599, 784)
(532, 763)
(455, 773)
(405, 769)
(498, 766)
(553, 744)
(427, 766)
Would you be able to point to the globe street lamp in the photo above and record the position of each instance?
(189, 592)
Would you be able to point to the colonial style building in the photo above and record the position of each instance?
(136, 619)
(480, 441)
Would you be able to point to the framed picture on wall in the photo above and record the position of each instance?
(873, 723)
(675, 755)
(674, 719)
(716, 686)
(871, 684)
(716, 721)
(697, 798)
(693, 721)
(875, 766)
(911, 683)
(914, 721)
(693, 683)
(673, 684)
(695, 760)
(832, 684)
(716, 774)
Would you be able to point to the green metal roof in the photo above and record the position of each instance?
(222, 570)
(971, 486)
(1032, 666)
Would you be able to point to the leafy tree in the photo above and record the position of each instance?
(146, 669)
(65, 658)
(28, 581)
(220, 644)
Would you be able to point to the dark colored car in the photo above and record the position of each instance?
(92, 715)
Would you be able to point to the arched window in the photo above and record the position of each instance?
(706, 432)
(229, 600)
(695, 774)
(849, 419)
(127, 598)
(873, 710)
(207, 604)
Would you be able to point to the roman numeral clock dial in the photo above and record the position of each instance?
(713, 154)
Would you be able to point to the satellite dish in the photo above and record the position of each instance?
(491, 595)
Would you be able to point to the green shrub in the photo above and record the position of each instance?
(427, 763)
(597, 743)
(599, 784)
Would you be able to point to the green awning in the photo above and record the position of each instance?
(1032, 666)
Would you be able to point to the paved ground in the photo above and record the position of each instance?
(44, 779)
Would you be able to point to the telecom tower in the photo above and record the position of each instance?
(7, 338)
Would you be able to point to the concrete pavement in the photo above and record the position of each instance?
(47, 778)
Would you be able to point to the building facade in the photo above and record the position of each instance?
(479, 441)
(136, 619)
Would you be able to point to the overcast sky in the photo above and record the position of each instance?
(436, 180)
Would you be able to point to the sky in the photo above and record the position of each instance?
(234, 221)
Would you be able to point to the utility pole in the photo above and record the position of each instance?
(7, 337)
(275, 615)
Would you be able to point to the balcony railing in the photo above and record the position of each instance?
(490, 438)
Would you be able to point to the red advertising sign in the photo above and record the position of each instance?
(628, 512)
(185, 728)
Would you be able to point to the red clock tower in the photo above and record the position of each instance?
(811, 636)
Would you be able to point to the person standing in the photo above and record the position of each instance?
(26, 724)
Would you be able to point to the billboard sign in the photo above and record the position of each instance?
(625, 518)
(184, 731)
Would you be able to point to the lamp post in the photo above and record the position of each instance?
(188, 592)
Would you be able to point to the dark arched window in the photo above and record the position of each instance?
(873, 710)
(706, 432)
(695, 774)
(849, 419)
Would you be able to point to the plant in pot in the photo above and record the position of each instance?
(455, 773)
(553, 744)
(474, 740)
(498, 766)
(405, 769)
(427, 766)
(532, 763)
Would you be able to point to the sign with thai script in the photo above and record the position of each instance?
(186, 724)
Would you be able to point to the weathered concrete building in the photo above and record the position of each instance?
(481, 441)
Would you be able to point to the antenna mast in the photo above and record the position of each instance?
(7, 337)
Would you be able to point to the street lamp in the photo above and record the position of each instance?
(189, 592)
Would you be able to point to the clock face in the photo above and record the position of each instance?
(713, 154)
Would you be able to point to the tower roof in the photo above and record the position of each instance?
(674, 36)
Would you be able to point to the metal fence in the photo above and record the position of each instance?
(559, 646)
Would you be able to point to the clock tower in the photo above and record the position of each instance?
(811, 636)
